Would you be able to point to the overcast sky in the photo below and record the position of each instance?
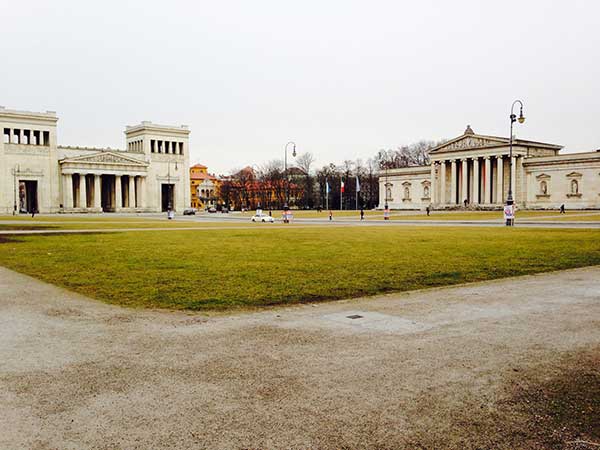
(342, 79)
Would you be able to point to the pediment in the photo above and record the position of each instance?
(108, 158)
(574, 175)
(468, 142)
(542, 176)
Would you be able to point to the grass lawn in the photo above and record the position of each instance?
(245, 268)
(577, 217)
(97, 225)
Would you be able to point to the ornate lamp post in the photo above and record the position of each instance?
(513, 118)
(287, 181)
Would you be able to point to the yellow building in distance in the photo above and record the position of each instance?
(204, 187)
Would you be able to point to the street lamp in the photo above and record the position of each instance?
(513, 118)
(287, 181)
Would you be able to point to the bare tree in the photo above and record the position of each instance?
(305, 162)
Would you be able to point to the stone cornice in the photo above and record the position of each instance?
(154, 128)
(13, 114)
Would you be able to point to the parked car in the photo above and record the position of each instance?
(212, 209)
(189, 212)
(262, 218)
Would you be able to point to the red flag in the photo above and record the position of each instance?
(342, 186)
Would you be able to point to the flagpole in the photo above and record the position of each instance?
(341, 195)
(326, 195)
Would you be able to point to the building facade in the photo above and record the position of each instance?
(204, 187)
(149, 175)
(474, 170)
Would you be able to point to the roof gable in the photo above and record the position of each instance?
(471, 141)
(106, 158)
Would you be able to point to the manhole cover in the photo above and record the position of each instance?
(354, 316)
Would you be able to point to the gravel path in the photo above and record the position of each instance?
(415, 370)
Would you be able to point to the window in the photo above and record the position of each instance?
(7, 135)
(426, 192)
(181, 148)
(543, 188)
(406, 193)
(46, 138)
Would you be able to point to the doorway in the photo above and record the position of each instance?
(167, 197)
(28, 199)
(107, 200)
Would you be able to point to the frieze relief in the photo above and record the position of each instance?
(104, 158)
(468, 143)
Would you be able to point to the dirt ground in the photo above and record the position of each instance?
(505, 364)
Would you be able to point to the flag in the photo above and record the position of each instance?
(342, 186)
(357, 184)
(327, 187)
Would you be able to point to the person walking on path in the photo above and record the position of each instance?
(562, 209)
(428, 210)
(330, 215)
(362, 214)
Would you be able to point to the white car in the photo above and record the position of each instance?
(262, 218)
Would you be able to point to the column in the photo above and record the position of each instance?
(442, 183)
(131, 192)
(513, 174)
(433, 183)
(500, 180)
(97, 192)
(476, 197)
(465, 186)
(118, 197)
(452, 182)
(82, 191)
(487, 185)
(67, 191)
(141, 192)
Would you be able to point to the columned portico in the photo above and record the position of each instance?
(110, 180)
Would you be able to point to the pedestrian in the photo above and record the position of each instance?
(562, 209)
(32, 213)
(362, 214)
(427, 209)
(270, 213)
(330, 215)
(466, 202)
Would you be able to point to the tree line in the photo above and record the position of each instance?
(305, 187)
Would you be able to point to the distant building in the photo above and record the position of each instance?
(473, 169)
(204, 187)
(38, 174)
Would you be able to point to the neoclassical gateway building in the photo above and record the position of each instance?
(475, 168)
(149, 175)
